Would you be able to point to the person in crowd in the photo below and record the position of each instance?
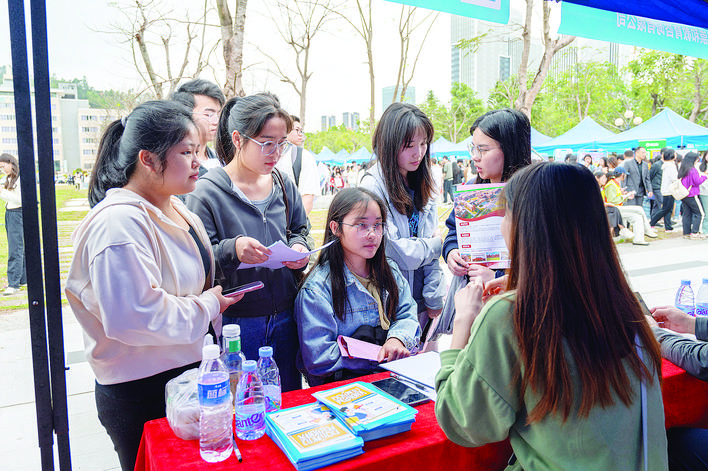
(688, 450)
(633, 214)
(613, 215)
(603, 164)
(246, 206)
(353, 176)
(436, 172)
(501, 144)
(299, 164)
(558, 362)
(205, 99)
(692, 212)
(354, 290)
(11, 194)
(638, 180)
(402, 178)
(447, 180)
(141, 277)
(338, 180)
(669, 174)
(703, 195)
(655, 174)
(587, 162)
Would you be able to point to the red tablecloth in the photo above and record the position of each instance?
(685, 403)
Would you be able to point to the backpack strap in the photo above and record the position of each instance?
(276, 174)
(297, 165)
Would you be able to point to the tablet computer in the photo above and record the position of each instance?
(401, 391)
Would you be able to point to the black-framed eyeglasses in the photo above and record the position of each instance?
(473, 149)
(268, 147)
(363, 228)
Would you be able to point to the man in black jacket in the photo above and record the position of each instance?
(638, 176)
(655, 173)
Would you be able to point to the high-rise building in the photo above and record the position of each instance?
(346, 120)
(324, 123)
(332, 121)
(355, 121)
(387, 96)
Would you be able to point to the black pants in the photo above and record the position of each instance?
(447, 190)
(692, 215)
(667, 208)
(16, 269)
(688, 449)
(124, 408)
(655, 203)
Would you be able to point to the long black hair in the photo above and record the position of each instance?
(512, 130)
(14, 174)
(688, 162)
(247, 115)
(380, 273)
(155, 126)
(395, 130)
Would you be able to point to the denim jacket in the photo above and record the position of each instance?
(318, 326)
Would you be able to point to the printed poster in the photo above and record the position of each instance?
(478, 222)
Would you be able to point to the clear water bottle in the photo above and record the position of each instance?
(215, 412)
(684, 298)
(270, 377)
(231, 355)
(250, 404)
(702, 299)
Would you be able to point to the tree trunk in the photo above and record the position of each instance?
(522, 76)
(232, 37)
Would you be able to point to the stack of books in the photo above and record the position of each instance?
(369, 412)
(311, 436)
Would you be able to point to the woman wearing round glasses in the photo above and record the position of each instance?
(246, 206)
(402, 178)
(353, 291)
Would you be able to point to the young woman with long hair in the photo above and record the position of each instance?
(246, 206)
(10, 193)
(402, 178)
(558, 361)
(353, 285)
(140, 282)
(692, 211)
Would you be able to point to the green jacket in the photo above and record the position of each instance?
(477, 404)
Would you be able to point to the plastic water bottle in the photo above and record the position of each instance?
(270, 377)
(215, 435)
(232, 356)
(684, 298)
(250, 404)
(702, 299)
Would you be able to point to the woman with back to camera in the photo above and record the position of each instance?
(402, 178)
(354, 290)
(556, 363)
(692, 211)
(246, 206)
(10, 193)
(140, 282)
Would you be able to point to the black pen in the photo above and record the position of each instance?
(236, 450)
(418, 385)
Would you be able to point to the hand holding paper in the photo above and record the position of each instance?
(278, 253)
(354, 348)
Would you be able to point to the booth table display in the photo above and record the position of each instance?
(425, 445)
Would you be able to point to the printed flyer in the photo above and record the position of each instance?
(478, 223)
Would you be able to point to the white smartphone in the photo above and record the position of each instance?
(243, 289)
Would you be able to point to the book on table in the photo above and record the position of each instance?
(311, 436)
(369, 412)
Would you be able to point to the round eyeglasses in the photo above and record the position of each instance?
(363, 228)
(478, 150)
(268, 147)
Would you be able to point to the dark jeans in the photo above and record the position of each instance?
(124, 408)
(688, 449)
(278, 331)
(692, 215)
(16, 266)
(667, 208)
(655, 204)
(447, 190)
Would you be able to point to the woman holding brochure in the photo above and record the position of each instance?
(246, 206)
(402, 178)
(564, 362)
(353, 285)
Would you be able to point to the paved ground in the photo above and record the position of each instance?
(655, 271)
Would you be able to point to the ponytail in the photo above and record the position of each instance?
(105, 175)
(223, 144)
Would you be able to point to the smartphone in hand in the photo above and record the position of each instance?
(243, 289)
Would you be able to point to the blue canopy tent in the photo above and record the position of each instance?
(688, 12)
(360, 156)
(677, 131)
(441, 146)
(341, 157)
(584, 135)
(538, 139)
(325, 155)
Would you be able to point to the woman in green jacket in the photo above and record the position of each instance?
(557, 362)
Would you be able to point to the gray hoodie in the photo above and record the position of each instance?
(227, 215)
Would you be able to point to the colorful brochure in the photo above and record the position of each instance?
(367, 411)
(311, 436)
(478, 224)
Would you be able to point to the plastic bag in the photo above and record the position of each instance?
(182, 399)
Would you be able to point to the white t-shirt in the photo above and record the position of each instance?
(309, 183)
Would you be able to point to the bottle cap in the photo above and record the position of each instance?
(231, 330)
(210, 352)
(685, 282)
(249, 366)
(265, 352)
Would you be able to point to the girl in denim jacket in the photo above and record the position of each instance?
(352, 285)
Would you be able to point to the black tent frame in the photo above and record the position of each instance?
(43, 282)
